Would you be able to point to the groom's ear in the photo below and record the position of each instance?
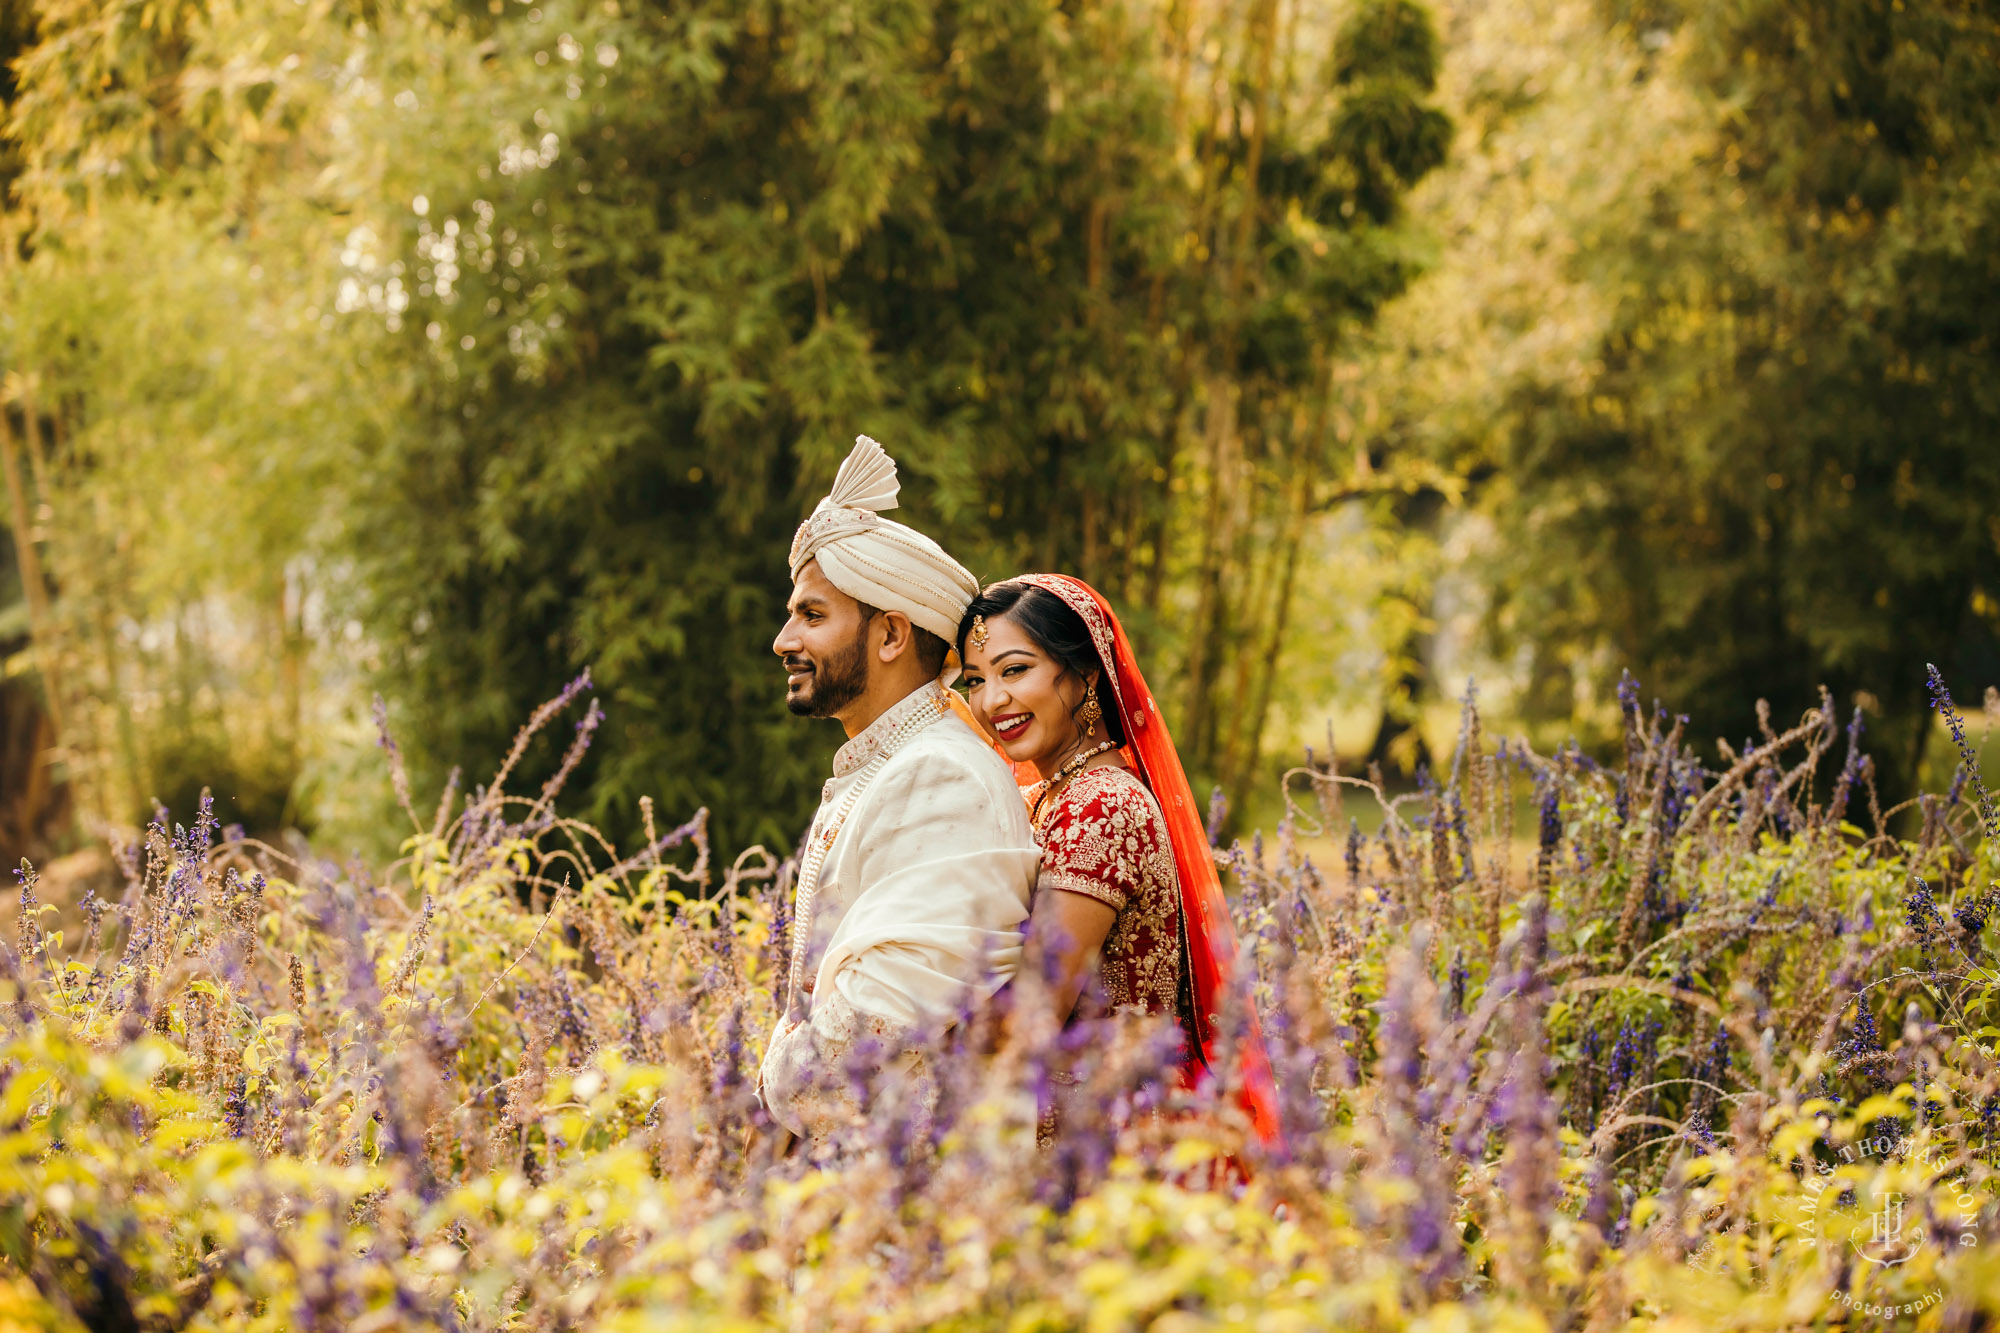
(898, 636)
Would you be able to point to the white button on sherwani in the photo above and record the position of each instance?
(913, 893)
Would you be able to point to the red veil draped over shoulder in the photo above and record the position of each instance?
(1207, 932)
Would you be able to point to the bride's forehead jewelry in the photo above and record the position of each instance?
(978, 636)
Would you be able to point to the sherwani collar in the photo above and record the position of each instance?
(887, 729)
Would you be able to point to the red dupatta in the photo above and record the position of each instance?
(1208, 933)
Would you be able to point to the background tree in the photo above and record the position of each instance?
(517, 339)
(1318, 194)
(1774, 472)
(446, 347)
(1696, 344)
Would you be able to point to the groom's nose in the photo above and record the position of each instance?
(787, 643)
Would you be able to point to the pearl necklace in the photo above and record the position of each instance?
(820, 842)
(1070, 768)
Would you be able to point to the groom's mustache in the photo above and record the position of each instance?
(798, 664)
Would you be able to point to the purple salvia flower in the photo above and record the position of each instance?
(728, 1080)
(1850, 770)
(1920, 913)
(536, 722)
(1462, 832)
(586, 728)
(1628, 696)
(399, 777)
(235, 1105)
(1865, 1038)
(1589, 1087)
(1989, 818)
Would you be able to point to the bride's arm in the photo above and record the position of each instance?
(1066, 933)
(1093, 861)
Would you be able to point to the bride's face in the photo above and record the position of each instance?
(1022, 695)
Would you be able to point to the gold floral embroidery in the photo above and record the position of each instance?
(864, 754)
(807, 1083)
(887, 733)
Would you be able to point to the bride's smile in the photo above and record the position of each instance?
(1023, 696)
(1011, 723)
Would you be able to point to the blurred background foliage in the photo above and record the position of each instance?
(445, 348)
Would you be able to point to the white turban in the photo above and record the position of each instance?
(878, 560)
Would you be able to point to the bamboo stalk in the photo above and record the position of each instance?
(1292, 538)
(31, 425)
(32, 583)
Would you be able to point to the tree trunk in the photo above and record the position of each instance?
(1400, 712)
(127, 792)
(1058, 514)
(1088, 564)
(1210, 627)
(1402, 708)
(1206, 631)
(30, 801)
(39, 619)
(1292, 537)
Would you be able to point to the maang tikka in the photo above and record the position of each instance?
(978, 636)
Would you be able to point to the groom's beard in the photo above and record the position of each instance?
(834, 684)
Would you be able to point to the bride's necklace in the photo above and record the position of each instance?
(1070, 768)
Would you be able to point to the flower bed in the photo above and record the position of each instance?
(1719, 1056)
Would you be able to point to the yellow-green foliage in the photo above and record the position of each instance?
(504, 1084)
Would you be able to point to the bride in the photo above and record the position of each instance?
(1128, 895)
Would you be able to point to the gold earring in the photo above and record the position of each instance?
(978, 636)
(1090, 712)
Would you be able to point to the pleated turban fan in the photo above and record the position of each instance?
(878, 560)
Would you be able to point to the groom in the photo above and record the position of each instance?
(916, 874)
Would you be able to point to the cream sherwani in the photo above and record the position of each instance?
(918, 904)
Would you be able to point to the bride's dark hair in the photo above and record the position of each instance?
(1055, 629)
